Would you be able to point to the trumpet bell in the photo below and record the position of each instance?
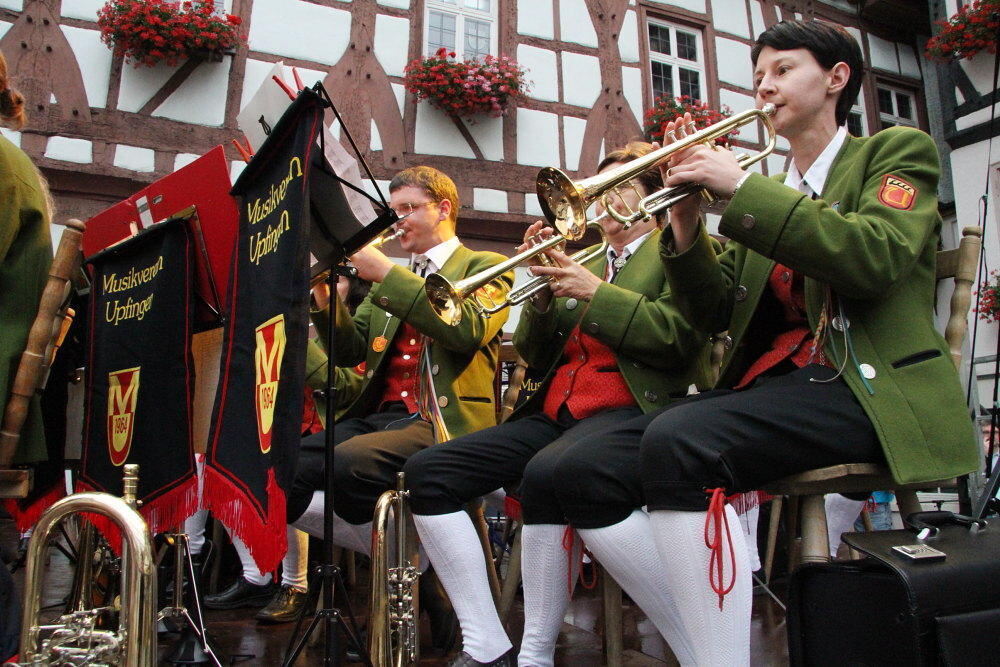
(563, 202)
(444, 298)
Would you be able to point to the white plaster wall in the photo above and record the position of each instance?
(738, 102)
(16, 5)
(236, 168)
(399, 90)
(573, 129)
(95, 63)
(201, 99)
(733, 60)
(184, 159)
(882, 54)
(531, 205)
(541, 66)
(13, 136)
(537, 138)
(401, 4)
(632, 90)
(729, 16)
(975, 118)
(253, 76)
(436, 134)
(574, 23)
(81, 9)
(4, 27)
(534, 18)
(776, 164)
(584, 73)
(70, 150)
(134, 158)
(693, 5)
(488, 133)
(300, 30)
(139, 84)
(628, 39)
(376, 140)
(487, 199)
(756, 18)
(392, 37)
(370, 188)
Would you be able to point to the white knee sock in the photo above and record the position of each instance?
(250, 571)
(719, 638)
(453, 546)
(348, 535)
(547, 579)
(748, 522)
(627, 551)
(194, 526)
(841, 513)
(295, 564)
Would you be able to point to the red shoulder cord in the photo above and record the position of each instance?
(567, 542)
(715, 521)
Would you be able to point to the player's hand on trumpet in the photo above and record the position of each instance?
(568, 278)
(372, 264)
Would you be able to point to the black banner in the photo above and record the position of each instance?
(253, 444)
(140, 379)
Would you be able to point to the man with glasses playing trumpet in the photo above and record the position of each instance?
(606, 344)
(424, 381)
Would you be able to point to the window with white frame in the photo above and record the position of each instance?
(676, 61)
(467, 27)
(857, 122)
(896, 106)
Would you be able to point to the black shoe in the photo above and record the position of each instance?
(444, 622)
(241, 594)
(463, 659)
(286, 605)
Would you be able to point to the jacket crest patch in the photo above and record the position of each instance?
(897, 193)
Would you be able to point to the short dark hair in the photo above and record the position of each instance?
(432, 181)
(829, 44)
(650, 179)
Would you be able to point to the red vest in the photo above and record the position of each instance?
(588, 381)
(796, 342)
(401, 372)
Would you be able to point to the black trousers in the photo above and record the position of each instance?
(738, 440)
(368, 452)
(443, 478)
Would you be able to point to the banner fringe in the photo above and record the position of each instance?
(264, 537)
(25, 518)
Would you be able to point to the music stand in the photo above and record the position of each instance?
(335, 234)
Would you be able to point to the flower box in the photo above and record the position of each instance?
(667, 108)
(466, 88)
(971, 29)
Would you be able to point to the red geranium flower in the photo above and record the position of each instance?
(466, 88)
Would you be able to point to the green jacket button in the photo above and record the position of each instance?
(442, 401)
(383, 301)
(868, 371)
(727, 342)
(369, 373)
(741, 293)
(435, 369)
(650, 396)
(593, 327)
(748, 221)
(571, 303)
(840, 323)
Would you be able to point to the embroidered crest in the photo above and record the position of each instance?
(379, 343)
(491, 293)
(897, 193)
(123, 394)
(267, 364)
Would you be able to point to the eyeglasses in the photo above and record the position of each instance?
(406, 209)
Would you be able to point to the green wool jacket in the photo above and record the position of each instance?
(346, 382)
(463, 358)
(25, 257)
(658, 352)
(871, 239)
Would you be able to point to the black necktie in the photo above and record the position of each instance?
(420, 266)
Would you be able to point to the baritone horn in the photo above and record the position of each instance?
(394, 619)
(75, 638)
(565, 202)
(446, 298)
(389, 234)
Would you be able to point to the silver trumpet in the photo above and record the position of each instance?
(390, 234)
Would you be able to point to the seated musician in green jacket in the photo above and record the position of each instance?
(827, 291)
(424, 380)
(604, 343)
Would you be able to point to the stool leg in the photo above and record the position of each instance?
(907, 501)
(772, 536)
(815, 541)
(611, 594)
(512, 580)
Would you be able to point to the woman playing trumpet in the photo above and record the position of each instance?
(604, 343)
(826, 290)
